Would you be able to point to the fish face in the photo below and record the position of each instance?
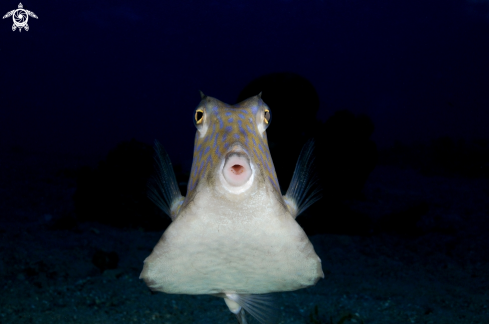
(231, 151)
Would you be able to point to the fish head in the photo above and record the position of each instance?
(231, 151)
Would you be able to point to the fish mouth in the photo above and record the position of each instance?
(237, 172)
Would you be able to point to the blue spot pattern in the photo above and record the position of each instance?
(230, 124)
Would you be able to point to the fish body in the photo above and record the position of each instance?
(234, 235)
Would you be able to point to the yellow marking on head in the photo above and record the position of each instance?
(199, 116)
(267, 116)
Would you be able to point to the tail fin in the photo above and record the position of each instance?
(163, 188)
(304, 189)
(241, 316)
(260, 306)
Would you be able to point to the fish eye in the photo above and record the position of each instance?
(267, 116)
(199, 116)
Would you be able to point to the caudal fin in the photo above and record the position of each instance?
(260, 306)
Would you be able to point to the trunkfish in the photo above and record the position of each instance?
(234, 235)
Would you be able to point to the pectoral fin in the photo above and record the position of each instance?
(304, 189)
(163, 188)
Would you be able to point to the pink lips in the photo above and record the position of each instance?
(237, 169)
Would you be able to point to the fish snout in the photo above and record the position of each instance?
(237, 169)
